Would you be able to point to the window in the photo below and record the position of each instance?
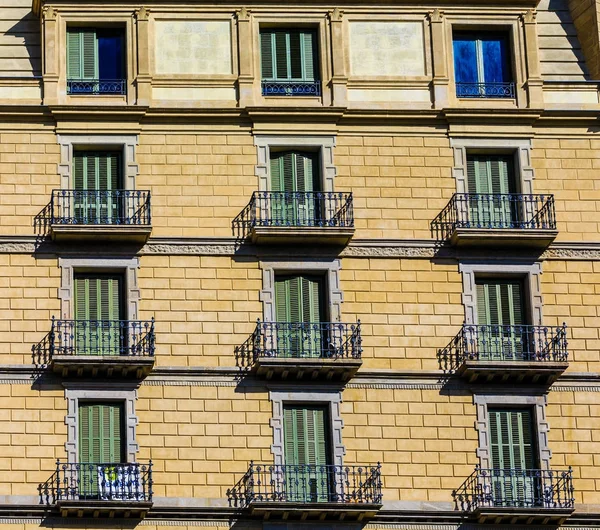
(98, 315)
(100, 433)
(482, 66)
(289, 63)
(296, 183)
(512, 453)
(299, 306)
(502, 333)
(95, 61)
(492, 187)
(306, 453)
(97, 179)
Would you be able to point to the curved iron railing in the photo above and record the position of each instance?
(95, 207)
(515, 488)
(301, 340)
(274, 87)
(485, 90)
(96, 87)
(299, 209)
(98, 481)
(504, 343)
(495, 211)
(96, 337)
(307, 484)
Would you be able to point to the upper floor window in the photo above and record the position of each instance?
(95, 61)
(482, 65)
(289, 63)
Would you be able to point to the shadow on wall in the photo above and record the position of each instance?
(26, 31)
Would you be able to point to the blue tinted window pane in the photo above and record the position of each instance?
(496, 65)
(465, 59)
(110, 55)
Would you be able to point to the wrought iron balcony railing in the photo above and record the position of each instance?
(301, 340)
(505, 343)
(98, 482)
(495, 211)
(275, 87)
(93, 207)
(307, 484)
(104, 338)
(485, 90)
(515, 488)
(298, 209)
(96, 87)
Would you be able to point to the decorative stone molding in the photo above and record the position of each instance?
(330, 398)
(142, 14)
(69, 266)
(74, 392)
(324, 144)
(127, 143)
(330, 267)
(482, 403)
(519, 146)
(531, 272)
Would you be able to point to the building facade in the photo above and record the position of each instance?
(298, 267)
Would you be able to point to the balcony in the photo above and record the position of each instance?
(527, 496)
(274, 87)
(99, 490)
(485, 90)
(113, 348)
(486, 219)
(535, 354)
(309, 492)
(118, 215)
(297, 217)
(96, 87)
(307, 350)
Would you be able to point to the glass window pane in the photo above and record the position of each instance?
(110, 55)
(496, 65)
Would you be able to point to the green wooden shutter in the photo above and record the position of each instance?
(308, 56)
(267, 45)
(512, 448)
(305, 443)
(100, 439)
(282, 57)
(499, 303)
(288, 55)
(82, 54)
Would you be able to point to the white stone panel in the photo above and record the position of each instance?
(194, 47)
(387, 49)
(194, 93)
(390, 95)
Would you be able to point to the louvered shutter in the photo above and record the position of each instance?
(267, 54)
(306, 447)
(74, 60)
(512, 452)
(82, 54)
(308, 41)
(282, 57)
(100, 433)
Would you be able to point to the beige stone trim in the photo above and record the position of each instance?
(331, 268)
(75, 392)
(531, 273)
(484, 401)
(519, 146)
(69, 266)
(127, 143)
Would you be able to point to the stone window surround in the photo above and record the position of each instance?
(76, 392)
(127, 143)
(324, 145)
(531, 273)
(484, 401)
(69, 266)
(330, 398)
(519, 146)
(330, 267)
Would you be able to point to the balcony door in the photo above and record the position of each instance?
(491, 181)
(98, 315)
(294, 181)
(306, 477)
(512, 453)
(101, 449)
(97, 175)
(501, 334)
(299, 306)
